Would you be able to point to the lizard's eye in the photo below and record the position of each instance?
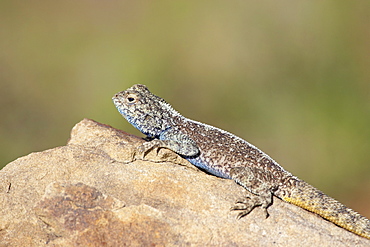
(131, 98)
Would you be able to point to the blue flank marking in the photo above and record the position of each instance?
(198, 162)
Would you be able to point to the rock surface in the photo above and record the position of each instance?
(92, 192)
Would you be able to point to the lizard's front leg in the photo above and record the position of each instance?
(254, 180)
(173, 140)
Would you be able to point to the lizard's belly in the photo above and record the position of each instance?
(209, 167)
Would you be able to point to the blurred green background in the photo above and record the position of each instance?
(291, 77)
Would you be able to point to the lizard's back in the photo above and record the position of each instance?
(220, 150)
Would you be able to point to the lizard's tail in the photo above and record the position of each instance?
(312, 199)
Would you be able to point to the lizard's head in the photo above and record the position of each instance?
(145, 111)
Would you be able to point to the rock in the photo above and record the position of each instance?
(92, 192)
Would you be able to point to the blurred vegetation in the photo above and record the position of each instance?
(290, 77)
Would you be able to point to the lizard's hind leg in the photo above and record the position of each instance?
(253, 180)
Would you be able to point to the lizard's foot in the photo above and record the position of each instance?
(259, 183)
(246, 205)
(142, 150)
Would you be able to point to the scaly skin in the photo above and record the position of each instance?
(225, 155)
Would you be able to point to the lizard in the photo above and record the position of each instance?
(228, 156)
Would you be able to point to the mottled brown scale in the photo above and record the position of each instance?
(225, 155)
